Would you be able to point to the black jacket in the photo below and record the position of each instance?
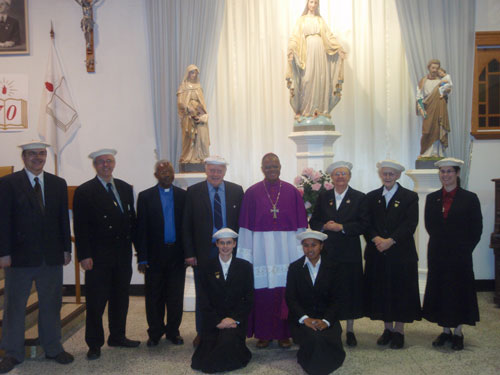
(26, 234)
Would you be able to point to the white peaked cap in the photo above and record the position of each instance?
(338, 164)
(449, 162)
(102, 151)
(311, 234)
(391, 164)
(33, 145)
(225, 233)
(216, 159)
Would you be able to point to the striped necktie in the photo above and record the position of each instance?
(217, 210)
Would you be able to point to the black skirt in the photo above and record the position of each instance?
(320, 352)
(450, 295)
(352, 280)
(391, 290)
(221, 350)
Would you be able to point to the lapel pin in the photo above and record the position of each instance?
(348, 201)
(396, 204)
(330, 202)
(217, 275)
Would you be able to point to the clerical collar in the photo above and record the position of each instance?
(164, 190)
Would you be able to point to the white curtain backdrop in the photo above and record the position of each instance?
(445, 30)
(253, 116)
(181, 32)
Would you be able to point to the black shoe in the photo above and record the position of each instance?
(124, 343)
(93, 353)
(397, 341)
(385, 338)
(176, 340)
(457, 342)
(442, 339)
(152, 342)
(351, 339)
(62, 358)
(7, 364)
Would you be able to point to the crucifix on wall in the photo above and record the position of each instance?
(87, 25)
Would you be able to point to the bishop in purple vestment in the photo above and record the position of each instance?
(271, 215)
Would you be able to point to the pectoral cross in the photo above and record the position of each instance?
(274, 211)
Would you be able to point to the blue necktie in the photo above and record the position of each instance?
(217, 210)
(113, 196)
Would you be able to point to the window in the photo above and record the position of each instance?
(486, 91)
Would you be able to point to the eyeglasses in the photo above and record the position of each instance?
(102, 162)
(338, 174)
(34, 153)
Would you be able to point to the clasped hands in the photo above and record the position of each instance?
(227, 323)
(333, 226)
(383, 244)
(315, 324)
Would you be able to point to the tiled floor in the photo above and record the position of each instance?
(480, 357)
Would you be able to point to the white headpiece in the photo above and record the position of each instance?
(338, 164)
(216, 159)
(449, 162)
(33, 145)
(102, 151)
(391, 164)
(225, 233)
(311, 234)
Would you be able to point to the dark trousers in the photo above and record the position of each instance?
(18, 283)
(106, 284)
(213, 253)
(164, 287)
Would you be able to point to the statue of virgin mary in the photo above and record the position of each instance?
(315, 70)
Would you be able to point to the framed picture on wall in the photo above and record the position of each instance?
(14, 27)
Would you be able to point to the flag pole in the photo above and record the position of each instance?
(56, 169)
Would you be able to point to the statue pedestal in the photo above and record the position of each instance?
(184, 180)
(314, 148)
(426, 181)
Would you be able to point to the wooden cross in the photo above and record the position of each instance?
(274, 211)
(87, 25)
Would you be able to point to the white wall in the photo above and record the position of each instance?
(114, 103)
(485, 156)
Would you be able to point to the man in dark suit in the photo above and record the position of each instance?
(210, 205)
(341, 214)
(34, 244)
(104, 224)
(314, 295)
(391, 267)
(226, 301)
(10, 32)
(159, 254)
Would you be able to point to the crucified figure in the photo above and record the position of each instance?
(87, 22)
